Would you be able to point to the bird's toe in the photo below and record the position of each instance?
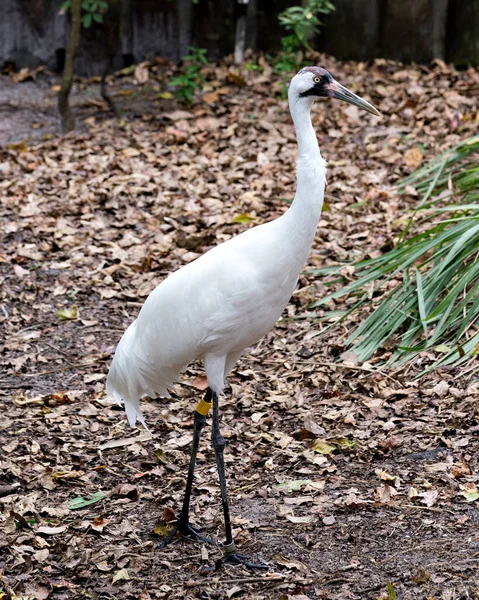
(233, 558)
(187, 530)
(184, 529)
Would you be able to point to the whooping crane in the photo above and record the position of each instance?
(228, 299)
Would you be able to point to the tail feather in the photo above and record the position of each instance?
(131, 377)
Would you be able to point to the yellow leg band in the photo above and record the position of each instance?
(203, 407)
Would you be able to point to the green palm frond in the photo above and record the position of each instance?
(431, 300)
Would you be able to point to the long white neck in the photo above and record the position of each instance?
(303, 215)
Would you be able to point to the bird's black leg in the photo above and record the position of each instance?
(183, 526)
(231, 557)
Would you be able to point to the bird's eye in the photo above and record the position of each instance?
(317, 80)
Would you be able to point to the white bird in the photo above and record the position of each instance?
(228, 299)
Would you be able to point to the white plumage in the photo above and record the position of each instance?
(229, 298)
(213, 308)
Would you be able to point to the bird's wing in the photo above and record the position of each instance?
(221, 303)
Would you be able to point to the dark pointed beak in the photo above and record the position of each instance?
(336, 90)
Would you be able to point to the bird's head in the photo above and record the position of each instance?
(316, 82)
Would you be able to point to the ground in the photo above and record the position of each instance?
(348, 481)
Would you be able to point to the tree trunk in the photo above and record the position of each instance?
(439, 18)
(463, 32)
(240, 37)
(126, 32)
(251, 25)
(68, 121)
(112, 29)
(185, 12)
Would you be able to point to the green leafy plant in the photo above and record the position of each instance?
(190, 79)
(391, 591)
(431, 276)
(287, 59)
(251, 66)
(302, 21)
(93, 11)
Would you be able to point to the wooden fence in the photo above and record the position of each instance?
(34, 32)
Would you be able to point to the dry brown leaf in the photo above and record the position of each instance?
(211, 98)
(130, 152)
(290, 564)
(429, 498)
(300, 520)
(200, 382)
(329, 520)
(141, 73)
(169, 514)
(413, 157)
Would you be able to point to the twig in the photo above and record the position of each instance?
(276, 578)
(57, 349)
(244, 487)
(430, 508)
(184, 558)
(374, 588)
(117, 443)
(14, 333)
(12, 386)
(346, 568)
(58, 369)
(335, 581)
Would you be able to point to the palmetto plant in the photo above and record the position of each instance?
(433, 305)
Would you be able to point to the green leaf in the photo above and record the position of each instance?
(121, 575)
(86, 20)
(343, 443)
(470, 492)
(292, 486)
(67, 314)
(471, 496)
(128, 70)
(420, 300)
(160, 456)
(391, 591)
(81, 502)
(242, 218)
(98, 17)
(322, 447)
(302, 21)
(443, 348)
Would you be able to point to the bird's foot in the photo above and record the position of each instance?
(231, 557)
(185, 530)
